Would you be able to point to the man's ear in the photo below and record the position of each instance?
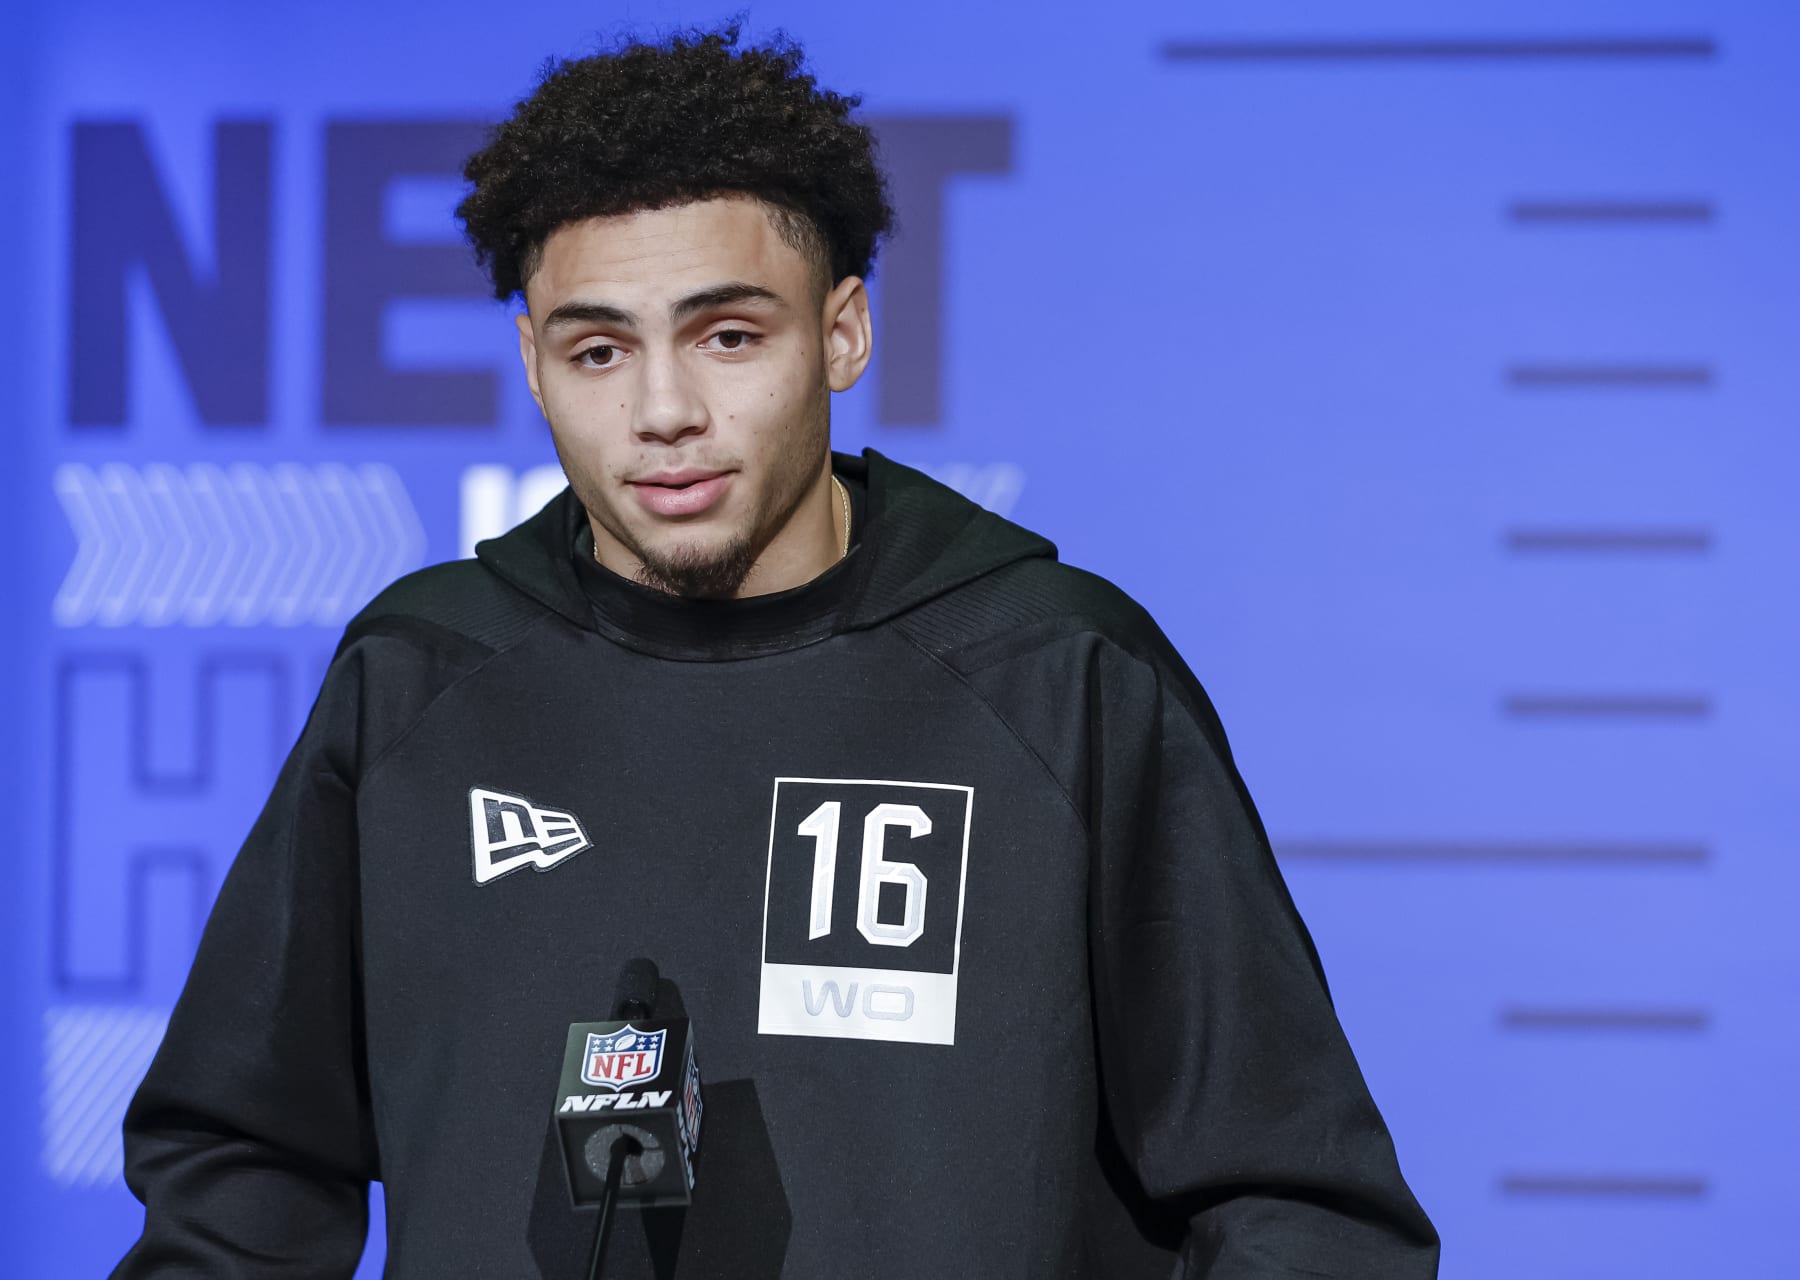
(528, 354)
(849, 337)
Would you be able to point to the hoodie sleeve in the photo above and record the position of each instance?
(249, 1141)
(1231, 1089)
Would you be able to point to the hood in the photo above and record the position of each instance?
(920, 539)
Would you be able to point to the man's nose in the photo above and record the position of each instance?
(670, 406)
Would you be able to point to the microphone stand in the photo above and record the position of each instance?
(622, 1148)
(633, 998)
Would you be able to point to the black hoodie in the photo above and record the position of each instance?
(990, 968)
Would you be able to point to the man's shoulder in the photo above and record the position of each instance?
(1080, 595)
(460, 599)
(1031, 603)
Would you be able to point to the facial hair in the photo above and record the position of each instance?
(689, 571)
(719, 573)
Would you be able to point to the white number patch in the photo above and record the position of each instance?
(881, 965)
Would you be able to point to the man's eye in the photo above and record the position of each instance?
(603, 356)
(736, 339)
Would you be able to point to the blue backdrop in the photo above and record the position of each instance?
(1429, 371)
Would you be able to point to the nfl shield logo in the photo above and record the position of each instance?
(622, 1057)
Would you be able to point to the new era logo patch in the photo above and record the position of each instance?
(509, 832)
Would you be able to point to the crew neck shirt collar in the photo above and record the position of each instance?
(700, 630)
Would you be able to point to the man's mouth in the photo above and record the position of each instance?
(677, 479)
(680, 493)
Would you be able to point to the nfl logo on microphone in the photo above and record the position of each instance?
(622, 1057)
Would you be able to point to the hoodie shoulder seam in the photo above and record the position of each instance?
(1007, 724)
(412, 725)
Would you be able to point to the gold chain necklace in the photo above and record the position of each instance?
(843, 501)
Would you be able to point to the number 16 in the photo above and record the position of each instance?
(822, 825)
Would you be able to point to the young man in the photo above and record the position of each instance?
(990, 966)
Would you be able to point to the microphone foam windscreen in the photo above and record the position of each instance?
(635, 996)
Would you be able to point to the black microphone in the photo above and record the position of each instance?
(635, 1080)
(635, 994)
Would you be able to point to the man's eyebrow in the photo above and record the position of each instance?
(570, 314)
(577, 312)
(724, 295)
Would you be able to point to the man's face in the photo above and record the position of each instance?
(684, 358)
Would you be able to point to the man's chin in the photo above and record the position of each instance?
(711, 569)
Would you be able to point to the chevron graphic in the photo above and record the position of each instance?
(239, 546)
(94, 1058)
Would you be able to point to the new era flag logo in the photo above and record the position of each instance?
(509, 832)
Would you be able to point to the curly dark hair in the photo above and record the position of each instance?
(646, 126)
